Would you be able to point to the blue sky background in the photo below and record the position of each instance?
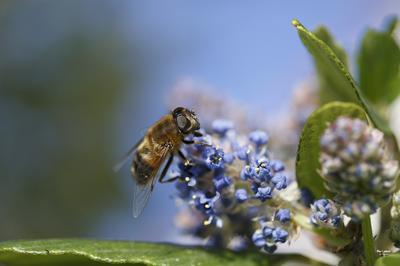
(247, 49)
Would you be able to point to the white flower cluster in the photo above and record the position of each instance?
(354, 166)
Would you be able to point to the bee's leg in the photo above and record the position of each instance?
(197, 134)
(186, 161)
(172, 179)
(165, 170)
(188, 141)
(195, 142)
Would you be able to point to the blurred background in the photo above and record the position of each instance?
(80, 81)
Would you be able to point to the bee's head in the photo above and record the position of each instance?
(185, 120)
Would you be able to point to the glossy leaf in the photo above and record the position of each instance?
(307, 161)
(327, 90)
(334, 72)
(96, 252)
(324, 35)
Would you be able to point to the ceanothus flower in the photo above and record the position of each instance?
(258, 137)
(221, 126)
(214, 157)
(283, 215)
(354, 166)
(241, 195)
(268, 236)
(325, 213)
(229, 185)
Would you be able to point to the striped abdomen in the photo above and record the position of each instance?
(142, 164)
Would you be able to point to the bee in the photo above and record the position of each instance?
(154, 153)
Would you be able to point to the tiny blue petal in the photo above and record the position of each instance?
(267, 231)
(280, 181)
(264, 193)
(280, 235)
(228, 158)
(277, 166)
(241, 195)
(258, 137)
(221, 126)
(322, 216)
(336, 220)
(321, 203)
(246, 173)
(222, 182)
(283, 215)
(258, 239)
(243, 153)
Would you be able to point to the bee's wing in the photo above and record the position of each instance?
(142, 193)
(126, 157)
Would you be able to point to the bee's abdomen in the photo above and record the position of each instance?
(142, 168)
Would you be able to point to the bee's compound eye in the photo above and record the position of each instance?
(181, 121)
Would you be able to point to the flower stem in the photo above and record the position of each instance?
(369, 247)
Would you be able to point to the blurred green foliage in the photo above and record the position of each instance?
(379, 65)
(332, 71)
(60, 78)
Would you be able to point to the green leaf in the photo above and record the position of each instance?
(335, 74)
(324, 35)
(96, 252)
(379, 63)
(308, 152)
(394, 88)
(391, 24)
(327, 92)
(390, 260)
(332, 73)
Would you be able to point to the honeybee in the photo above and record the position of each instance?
(156, 151)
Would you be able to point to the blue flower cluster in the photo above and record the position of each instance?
(272, 232)
(325, 214)
(229, 184)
